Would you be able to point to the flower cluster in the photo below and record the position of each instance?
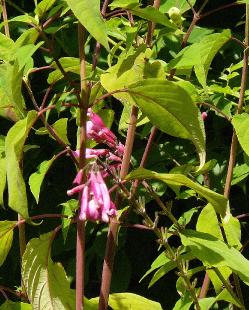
(96, 204)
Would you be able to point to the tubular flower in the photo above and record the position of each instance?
(96, 204)
(97, 130)
(93, 153)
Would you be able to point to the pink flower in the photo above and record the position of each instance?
(93, 153)
(96, 204)
(97, 130)
(204, 115)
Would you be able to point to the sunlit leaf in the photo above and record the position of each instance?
(218, 201)
(130, 301)
(158, 262)
(45, 281)
(214, 252)
(162, 271)
(6, 237)
(60, 128)
(2, 178)
(200, 55)
(36, 179)
(208, 215)
(69, 64)
(241, 125)
(10, 89)
(170, 108)
(6, 44)
(10, 305)
(182, 5)
(90, 17)
(14, 144)
(68, 208)
(43, 7)
(154, 15)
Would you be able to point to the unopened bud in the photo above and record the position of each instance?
(174, 14)
(204, 115)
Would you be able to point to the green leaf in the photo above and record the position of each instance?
(23, 54)
(217, 283)
(68, 208)
(14, 144)
(225, 295)
(123, 3)
(170, 108)
(154, 15)
(158, 262)
(241, 126)
(208, 215)
(233, 231)
(90, 17)
(185, 218)
(43, 7)
(28, 37)
(184, 303)
(60, 128)
(162, 271)
(218, 201)
(36, 179)
(6, 237)
(130, 301)
(206, 303)
(200, 55)
(240, 172)
(2, 178)
(69, 64)
(6, 45)
(130, 68)
(27, 19)
(46, 282)
(214, 252)
(10, 305)
(182, 5)
(10, 89)
(125, 117)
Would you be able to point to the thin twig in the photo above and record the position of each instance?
(223, 7)
(151, 26)
(108, 15)
(34, 70)
(226, 284)
(162, 205)
(240, 43)
(109, 95)
(49, 127)
(212, 107)
(191, 6)
(44, 100)
(5, 18)
(51, 19)
(205, 2)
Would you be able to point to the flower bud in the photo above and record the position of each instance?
(174, 14)
(204, 115)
